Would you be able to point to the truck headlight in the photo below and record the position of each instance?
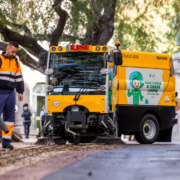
(56, 103)
(49, 71)
(49, 88)
(97, 48)
(104, 71)
(60, 48)
(103, 87)
(53, 48)
(104, 48)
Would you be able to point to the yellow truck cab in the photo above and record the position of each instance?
(102, 91)
(143, 95)
(77, 92)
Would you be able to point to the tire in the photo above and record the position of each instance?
(116, 122)
(149, 130)
(165, 136)
(138, 138)
(77, 140)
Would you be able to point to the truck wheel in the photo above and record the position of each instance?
(138, 138)
(77, 140)
(115, 120)
(149, 129)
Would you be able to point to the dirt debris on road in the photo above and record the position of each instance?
(43, 160)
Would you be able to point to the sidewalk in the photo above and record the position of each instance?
(25, 143)
(19, 145)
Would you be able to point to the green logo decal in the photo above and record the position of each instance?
(136, 81)
(146, 101)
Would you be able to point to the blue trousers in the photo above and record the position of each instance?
(7, 107)
(26, 128)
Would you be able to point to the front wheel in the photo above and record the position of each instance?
(149, 130)
(77, 139)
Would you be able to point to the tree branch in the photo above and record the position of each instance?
(25, 28)
(24, 41)
(73, 1)
(56, 34)
(28, 32)
(103, 20)
(88, 37)
(70, 38)
(97, 6)
(41, 37)
(25, 58)
(107, 33)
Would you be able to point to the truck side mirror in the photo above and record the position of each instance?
(42, 58)
(118, 58)
(108, 58)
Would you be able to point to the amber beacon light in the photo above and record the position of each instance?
(117, 44)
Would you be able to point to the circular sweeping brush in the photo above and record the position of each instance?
(107, 140)
(50, 140)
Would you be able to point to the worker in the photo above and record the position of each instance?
(10, 79)
(177, 107)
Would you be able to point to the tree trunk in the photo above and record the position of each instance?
(107, 33)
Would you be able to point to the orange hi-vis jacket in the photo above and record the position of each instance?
(10, 75)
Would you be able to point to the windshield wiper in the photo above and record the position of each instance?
(76, 98)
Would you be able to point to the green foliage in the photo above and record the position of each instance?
(83, 16)
(41, 18)
(143, 25)
(146, 25)
(8, 11)
(176, 19)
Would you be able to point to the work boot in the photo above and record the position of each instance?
(8, 146)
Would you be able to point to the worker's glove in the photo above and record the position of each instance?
(55, 81)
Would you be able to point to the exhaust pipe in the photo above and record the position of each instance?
(3, 126)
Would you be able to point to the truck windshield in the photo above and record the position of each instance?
(72, 71)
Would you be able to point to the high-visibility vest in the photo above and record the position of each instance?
(11, 74)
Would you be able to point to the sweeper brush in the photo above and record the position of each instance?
(50, 141)
(107, 140)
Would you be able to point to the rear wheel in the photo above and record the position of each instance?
(138, 138)
(149, 130)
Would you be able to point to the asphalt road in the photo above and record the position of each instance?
(132, 162)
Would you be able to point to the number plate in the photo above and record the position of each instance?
(75, 108)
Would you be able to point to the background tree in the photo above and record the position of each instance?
(145, 25)
(30, 21)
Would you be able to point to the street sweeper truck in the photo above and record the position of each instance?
(101, 92)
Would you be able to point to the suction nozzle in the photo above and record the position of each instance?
(3, 126)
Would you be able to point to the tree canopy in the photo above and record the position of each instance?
(144, 25)
(147, 25)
